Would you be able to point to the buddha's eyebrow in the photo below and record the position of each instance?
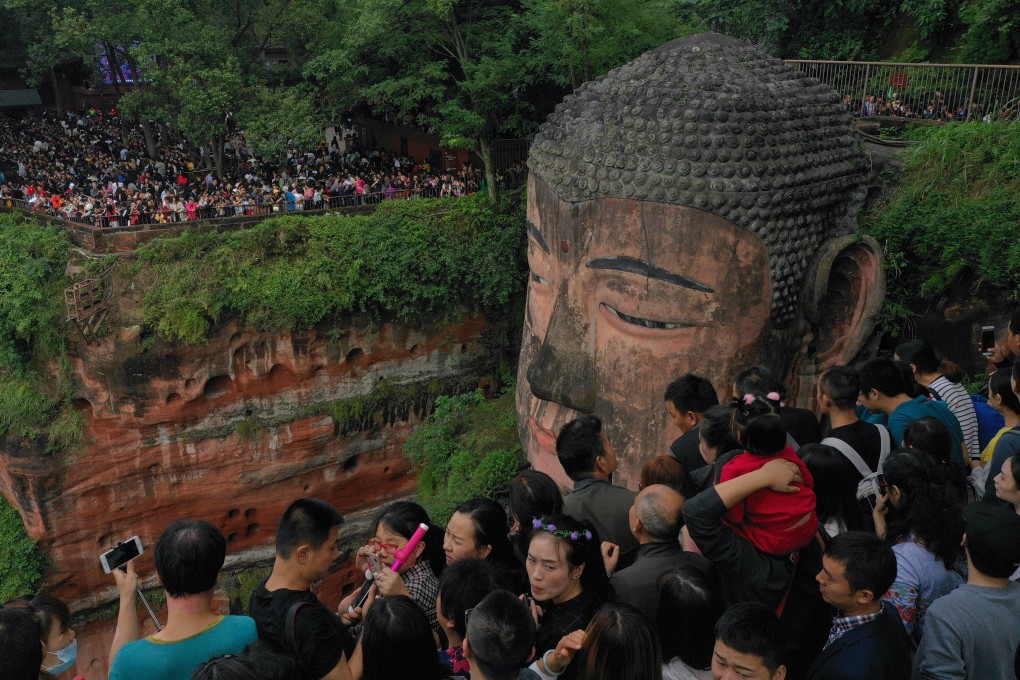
(632, 265)
(537, 235)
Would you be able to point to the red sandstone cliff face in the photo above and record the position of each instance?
(231, 432)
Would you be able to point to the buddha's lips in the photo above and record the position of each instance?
(543, 437)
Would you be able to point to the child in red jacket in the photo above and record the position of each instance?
(775, 523)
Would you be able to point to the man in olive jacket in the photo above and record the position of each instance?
(590, 461)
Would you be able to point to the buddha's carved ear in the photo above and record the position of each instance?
(843, 292)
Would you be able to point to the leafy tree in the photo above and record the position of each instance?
(456, 66)
(578, 40)
(272, 117)
(993, 31)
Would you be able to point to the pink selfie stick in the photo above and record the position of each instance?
(402, 554)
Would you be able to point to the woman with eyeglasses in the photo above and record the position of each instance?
(418, 575)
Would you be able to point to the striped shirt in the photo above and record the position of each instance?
(959, 402)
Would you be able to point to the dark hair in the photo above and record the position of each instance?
(1015, 371)
(929, 435)
(758, 427)
(843, 386)
(869, 562)
(45, 610)
(1001, 384)
(489, 520)
(397, 642)
(620, 642)
(307, 521)
(689, 607)
(580, 551)
(1014, 324)
(716, 429)
(1014, 467)
(919, 353)
(188, 557)
(690, 392)
(932, 510)
(462, 586)
(759, 381)
(403, 517)
(835, 485)
(534, 494)
(752, 628)
(273, 661)
(578, 445)
(21, 654)
(883, 375)
(665, 470)
(227, 667)
(501, 635)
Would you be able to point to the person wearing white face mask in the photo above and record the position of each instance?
(54, 619)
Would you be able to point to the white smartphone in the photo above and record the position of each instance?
(122, 554)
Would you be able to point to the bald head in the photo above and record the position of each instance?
(657, 513)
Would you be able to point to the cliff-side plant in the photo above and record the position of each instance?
(21, 563)
(467, 448)
(32, 261)
(954, 216)
(413, 261)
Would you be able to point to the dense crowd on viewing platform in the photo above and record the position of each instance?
(878, 541)
(86, 168)
(932, 106)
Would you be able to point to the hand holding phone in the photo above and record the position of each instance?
(121, 555)
(987, 340)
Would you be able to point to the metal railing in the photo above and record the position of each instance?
(932, 91)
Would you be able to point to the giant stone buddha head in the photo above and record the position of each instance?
(687, 212)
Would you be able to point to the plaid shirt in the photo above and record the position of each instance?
(841, 625)
(423, 586)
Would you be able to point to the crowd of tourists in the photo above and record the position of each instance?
(929, 106)
(877, 539)
(88, 168)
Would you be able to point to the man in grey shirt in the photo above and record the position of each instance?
(973, 632)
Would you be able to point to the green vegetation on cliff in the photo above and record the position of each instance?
(413, 261)
(467, 448)
(32, 261)
(21, 563)
(954, 215)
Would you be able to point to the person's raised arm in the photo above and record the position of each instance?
(127, 618)
(554, 662)
(778, 475)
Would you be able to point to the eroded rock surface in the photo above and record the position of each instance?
(232, 432)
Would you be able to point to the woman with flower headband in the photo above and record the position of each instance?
(567, 577)
(775, 523)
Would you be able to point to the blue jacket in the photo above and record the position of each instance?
(877, 650)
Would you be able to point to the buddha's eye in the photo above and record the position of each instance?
(538, 279)
(646, 323)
